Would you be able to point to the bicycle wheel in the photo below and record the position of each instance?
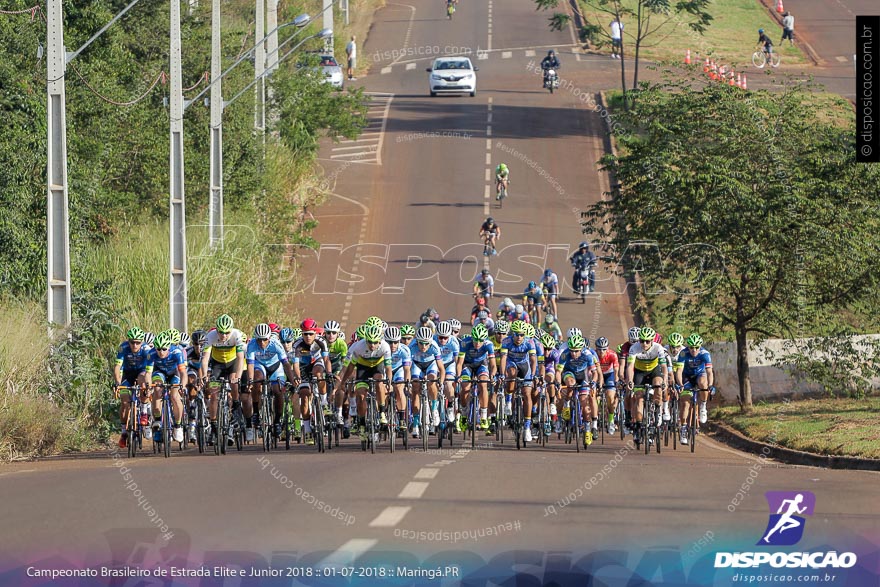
(167, 424)
(318, 421)
(472, 416)
(603, 417)
(576, 421)
(648, 417)
(518, 422)
(423, 421)
(200, 425)
(692, 425)
(775, 59)
(132, 426)
(371, 423)
(758, 59)
(621, 417)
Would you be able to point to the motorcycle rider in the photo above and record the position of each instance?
(549, 62)
(583, 258)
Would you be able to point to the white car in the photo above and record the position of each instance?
(332, 71)
(452, 74)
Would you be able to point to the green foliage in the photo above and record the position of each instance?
(843, 365)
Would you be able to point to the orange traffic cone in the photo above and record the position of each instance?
(687, 57)
(732, 82)
(745, 85)
(779, 7)
(706, 66)
(721, 73)
(739, 81)
(713, 69)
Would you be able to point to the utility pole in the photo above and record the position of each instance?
(259, 68)
(272, 41)
(215, 216)
(178, 297)
(328, 24)
(58, 233)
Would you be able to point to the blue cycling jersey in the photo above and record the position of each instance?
(518, 354)
(273, 353)
(130, 360)
(582, 362)
(431, 353)
(193, 360)
(694, 365)
(400, 357)
(448, 351)
(169, 364)
(474, 353)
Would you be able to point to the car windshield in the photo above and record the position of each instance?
(452, 65)
(328, 61)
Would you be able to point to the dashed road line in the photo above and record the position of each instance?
(412, 17)
(426, 473)
(506, 54)
(530, 53)
(413, 490)
(391, 516)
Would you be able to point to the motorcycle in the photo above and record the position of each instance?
(584, 280)
(551, 79)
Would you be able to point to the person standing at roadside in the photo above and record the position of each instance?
(351, 53)
(616, 38)
(787, 28)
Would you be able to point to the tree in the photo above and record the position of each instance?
(651, 19)
(743, 211)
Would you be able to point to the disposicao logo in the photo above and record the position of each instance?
(786, 528)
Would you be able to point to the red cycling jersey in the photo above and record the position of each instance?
(608, 362)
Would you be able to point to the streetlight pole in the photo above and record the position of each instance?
(259, 68)
(178, 294)
(328, 24)
(215, 215)
(272, 25)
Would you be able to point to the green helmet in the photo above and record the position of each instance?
(407, 330)
(135, 333)
(530, 330)
(502, 167)
(296, 332)
(224, 324)
(174, 334)
(694, 340)
(480, 332)
(373, 333)
(619, 349)
(548, 341)
(577, 342)
(359, 332)
(518, 327)
(647, 333)
(373, 321)
(162, 341)
(676, 339)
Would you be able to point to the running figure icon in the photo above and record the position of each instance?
(787, 522)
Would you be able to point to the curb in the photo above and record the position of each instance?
(786, 455)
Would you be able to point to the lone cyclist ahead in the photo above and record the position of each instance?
(764, 39)
(502, 178)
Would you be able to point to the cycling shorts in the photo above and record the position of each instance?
(368, 372)
(473, 370)
(168, 378)
(397, 375)
(218, 370)
(273, 373)
(130, 377)
(523, 370)
(690, 383)
(610, 382)
(421, 370)
(580, 379)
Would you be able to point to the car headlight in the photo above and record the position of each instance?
(469, 76)
(435, 77)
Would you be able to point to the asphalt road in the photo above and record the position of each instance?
(400, 234)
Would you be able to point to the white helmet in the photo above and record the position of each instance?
(444, 328)
(331, 326)
(633, 334)
(392, 334)
(424, 334)
(520, 309)
(549, 319)
(262, 331)
(456, 324)
(507, 303)
(574, 332)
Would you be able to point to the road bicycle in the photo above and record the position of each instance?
(447, 425)
(501, 409)
(267, 417)
(543, 415)
(488, 247)
(133, 425)
(166, 421)
(372, 415)
(652, 412)
(762, 58)
(502, 191)
(197, 413)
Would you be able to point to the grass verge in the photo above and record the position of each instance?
(842, 427)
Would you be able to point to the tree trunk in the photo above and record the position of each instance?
(742, 367)
(623, 74)
(638, 46)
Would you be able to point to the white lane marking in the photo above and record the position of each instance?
(386, 69)
(489, 47)
(488, 144)
(17, 472)
(842, 59)
(486, 192)
(384, 122)
(458, 456)
(488, 158)
(506, 54)
(446, 462)
(426, 473)
(485, 208)
(390, 516)
(412, 17)
(413, 490)
(574, 42)
(349, 552)
(410, 66)
(347, 148)
(530, 53)
(489, 130)
(488, 174)
(482, 56)
(489, 117)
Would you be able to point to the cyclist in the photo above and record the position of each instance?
(502, 178)
(694, 368)
(551, 377)
(401, 372)
(368, 358)
(550, 62)
(622, 354)
(449, 349)
(764, 39)
(552, 327)
(608, 364)
(170, 368)
(675, 346)
(264, 356)
(577, 367)
(533, 300)
(456, 326)
(223, 357)
(491, 231)
(313, 361)
(505, 310)
(336, 349)
(519, 313)
(484, 319)
(519, 359)
(484, 285)
(550, 282)
(476, 361)
(130, 371)
(646, 364)
(480, 306)
(193, 363)
(583, 258)
(427, 368)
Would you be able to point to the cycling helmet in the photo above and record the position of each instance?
(262, 331)
(549, 319)
(286, 335)
(331, 326)
(574, 332)
(548, 341)
(532, 285)
(601, 343)
(503, 166)
(551, 52)
(373, 321)
(308, 325)
(359, 333)
(676, 339)
(485, 271)
(176, 335)
(384, 326)
(407, 330)
(297, 333)
(518, 327)
(373, 333)
(424, 319)
(519, 309)
(455, 323)
(444, 329)
(481, 301)
(224, 324)
(576, 342)
(424, 334)
(274, 328)
(392, 334)
(508, 303)
(490, 221)
(633, 334)
(135, 333)
(163, 341)
(479, 333)
(760, 31)
(502, 327)
(184, 339)
(584, 245)
(149, 337)
(319, 331)
(198, 337)
(530, 330)
(483, 315)
(548, 272)
(647, 334)
(539, 332)
(694, 340)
